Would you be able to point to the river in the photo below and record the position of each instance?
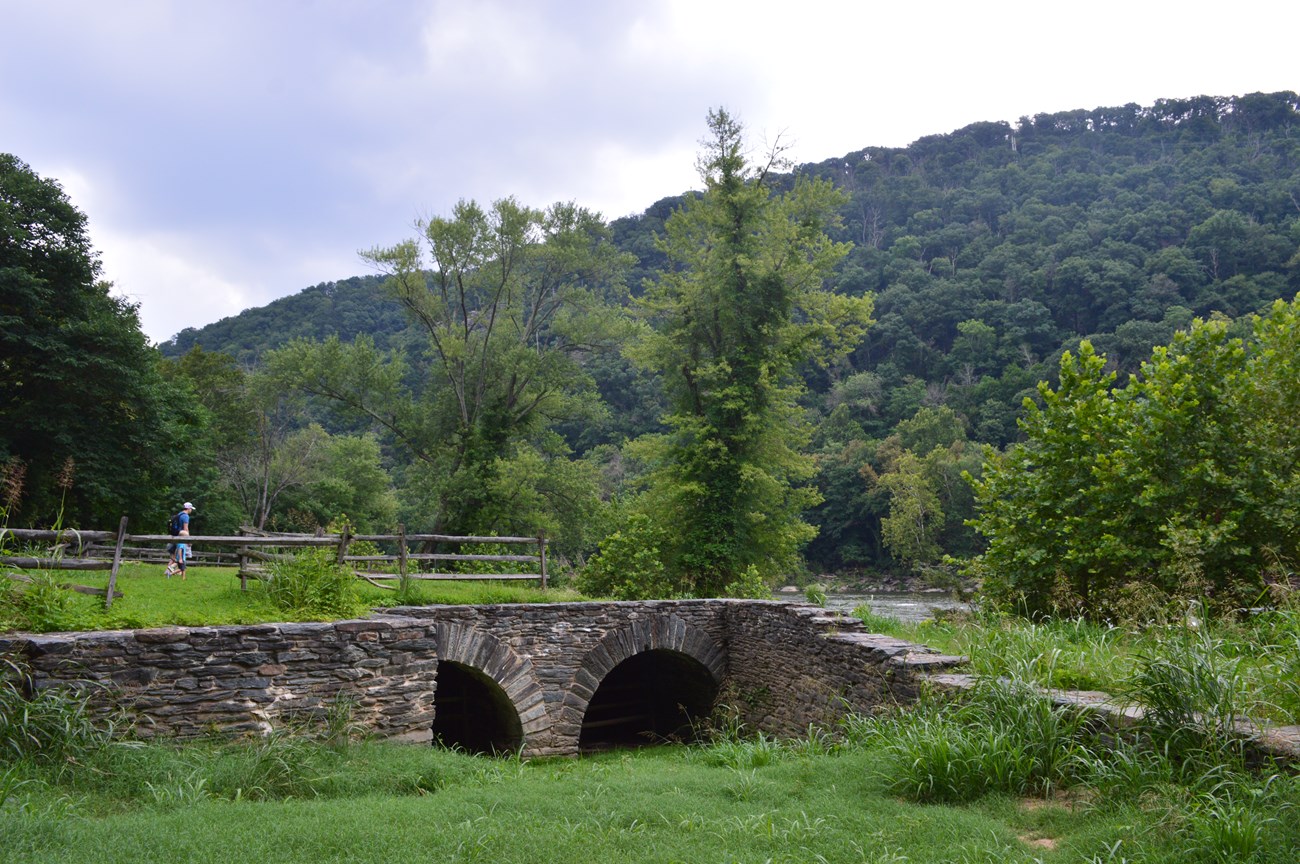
(904, 605)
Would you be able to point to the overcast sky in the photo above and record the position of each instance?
(228, 153)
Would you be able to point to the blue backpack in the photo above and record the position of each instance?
(174, 526)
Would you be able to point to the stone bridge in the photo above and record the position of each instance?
(544, 679)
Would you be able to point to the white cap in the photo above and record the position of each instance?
(187, 506)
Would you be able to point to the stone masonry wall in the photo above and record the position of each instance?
(794, 666)
(191, 681)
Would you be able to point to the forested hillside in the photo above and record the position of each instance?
(988, 251)
(346, 308)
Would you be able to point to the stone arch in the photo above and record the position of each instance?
(498, 662)
(653, 632)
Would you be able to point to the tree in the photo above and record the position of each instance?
(514, 302)
(1179, 485)
(741, 307)
(79, 384)
(920, 467)
(915, 513)
(216, 392)
(346, 478)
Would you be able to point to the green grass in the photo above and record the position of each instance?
(292, 799)
(1253, 664)
(999, 776)
(211, 596)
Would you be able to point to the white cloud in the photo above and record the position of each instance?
(173, 283)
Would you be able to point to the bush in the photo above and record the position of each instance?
(629, 565)
(1122, 500)
(313, 584)
(749, 585)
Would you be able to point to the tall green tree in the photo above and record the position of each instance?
(81, 397)
(742, 305)
(921, 468)
(513, 301)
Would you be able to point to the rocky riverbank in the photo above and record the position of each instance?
(855, 582)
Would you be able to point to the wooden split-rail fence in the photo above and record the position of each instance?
(253, 551)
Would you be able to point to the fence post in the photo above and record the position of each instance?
(117, 560)
(541, 554)
(402, 581)
(344, 539)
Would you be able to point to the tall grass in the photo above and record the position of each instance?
(1004, 737)
(52, 726)
(1261, 650)
(1193, 694)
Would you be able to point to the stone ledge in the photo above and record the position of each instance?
(920, 661)
(1276, 743)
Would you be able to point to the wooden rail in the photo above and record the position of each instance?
(79, 550)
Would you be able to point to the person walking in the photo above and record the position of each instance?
(180, 550)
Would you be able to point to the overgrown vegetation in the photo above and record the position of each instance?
(1206, 662)
(313, 584)
(52, 728)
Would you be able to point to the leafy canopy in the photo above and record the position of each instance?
(1179, 485)
(512, 303)
(82, 405)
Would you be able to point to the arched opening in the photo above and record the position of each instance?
(473, 713)
(651, 697)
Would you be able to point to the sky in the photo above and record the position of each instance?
(228, 153)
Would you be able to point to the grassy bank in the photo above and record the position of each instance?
(1002, 776)
(1244, 667)
(211, 596)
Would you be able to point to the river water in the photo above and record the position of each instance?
(904, 605)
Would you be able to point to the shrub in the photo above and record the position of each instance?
(749, 585)
(313, 584)
(629, 565)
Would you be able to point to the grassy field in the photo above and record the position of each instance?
(294, 799)
(211, 596)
